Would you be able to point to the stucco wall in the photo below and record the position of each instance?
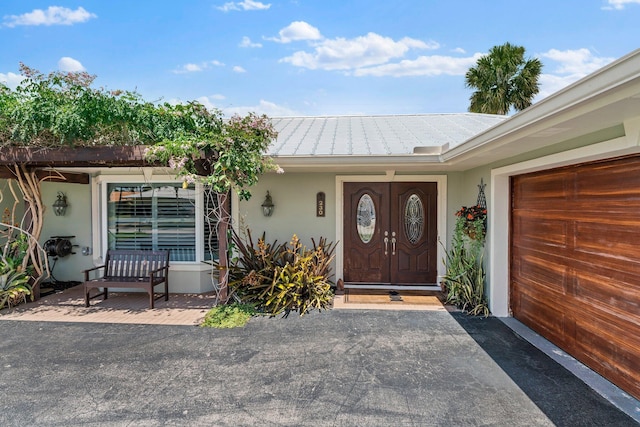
(294, 197)
(7, 200)
(76, 222)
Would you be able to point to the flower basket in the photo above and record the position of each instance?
(473, 221)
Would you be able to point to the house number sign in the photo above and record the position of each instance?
(320, 204)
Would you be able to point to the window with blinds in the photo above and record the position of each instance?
(153, 217)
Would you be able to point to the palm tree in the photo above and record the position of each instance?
(503, 79)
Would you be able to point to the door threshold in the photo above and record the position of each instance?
(421, 287)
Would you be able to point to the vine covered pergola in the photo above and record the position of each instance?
(52, 123)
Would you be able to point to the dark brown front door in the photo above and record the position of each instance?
(390, 232)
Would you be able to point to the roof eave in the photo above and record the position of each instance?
(611, 82)
(351, 162)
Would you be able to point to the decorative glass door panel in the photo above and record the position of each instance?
(390, 233)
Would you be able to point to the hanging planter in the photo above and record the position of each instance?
(473, 221)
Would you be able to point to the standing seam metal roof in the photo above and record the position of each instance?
(375, 135)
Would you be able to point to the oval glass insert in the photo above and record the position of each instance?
(413, 218)
(366, 218)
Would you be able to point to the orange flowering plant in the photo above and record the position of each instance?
(473, 221)
(472, 213)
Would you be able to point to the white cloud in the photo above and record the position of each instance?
(434, 65)
(264, 107)
(550, 84)
(459, 50)
(619, 4)
(296, 31)
(579, 61)
(350, 54)
(54, 15)
(244, 5)
(207, 101)
(68, 64)
(239, 69)
(190, 68)
(194, 68)
(571, 65)
(11, 80)
(246, 42)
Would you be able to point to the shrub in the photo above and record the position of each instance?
(465, 277)
(228, 316)
(14, 286)
(282, 278)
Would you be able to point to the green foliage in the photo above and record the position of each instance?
(229, 316)
(503, 79)
(231, 158)
(16, 244)
(14, 286)
(465, 277)
(282, 278)
(62, 109)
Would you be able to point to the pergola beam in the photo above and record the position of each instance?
(52, 157)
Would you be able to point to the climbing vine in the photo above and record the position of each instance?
(65, 110)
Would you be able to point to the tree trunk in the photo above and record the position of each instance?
(32, 222)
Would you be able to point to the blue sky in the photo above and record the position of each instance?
(298, 57)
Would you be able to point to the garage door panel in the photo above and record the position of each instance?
(611, 239)
(610, 180)
(575, 263)
(541, 274)
(545, 319)
(537, 232)
(606, 352)
(618, 297)
(542, 189)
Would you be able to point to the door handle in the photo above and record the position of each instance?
(393, 243)
(386, 243)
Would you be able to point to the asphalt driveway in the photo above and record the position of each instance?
(336, 368)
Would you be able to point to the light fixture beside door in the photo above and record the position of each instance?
(60, 205)
(267, 205)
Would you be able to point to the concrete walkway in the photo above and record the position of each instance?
(130, 307)
(335, 368)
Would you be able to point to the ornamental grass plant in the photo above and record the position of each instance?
(464, 281)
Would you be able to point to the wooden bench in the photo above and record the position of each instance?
(129, 269)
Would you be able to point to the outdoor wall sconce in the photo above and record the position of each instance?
(267, 205)
(60, 205)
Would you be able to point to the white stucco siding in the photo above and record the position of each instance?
(6, 202)
(76, 222)
(294, 197)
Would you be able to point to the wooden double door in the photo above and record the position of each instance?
(390, 233)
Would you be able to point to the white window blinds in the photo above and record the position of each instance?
(152, 217)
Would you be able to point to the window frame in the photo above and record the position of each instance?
(154, 219)
(100, 214)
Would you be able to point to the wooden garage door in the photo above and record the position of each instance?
(575, 263)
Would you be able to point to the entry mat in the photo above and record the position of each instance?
(397, 297)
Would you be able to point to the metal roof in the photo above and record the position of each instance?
(375, 135)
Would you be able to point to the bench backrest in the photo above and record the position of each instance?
(129, 263)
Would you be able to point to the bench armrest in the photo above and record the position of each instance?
(87, 271)
(157, 270)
